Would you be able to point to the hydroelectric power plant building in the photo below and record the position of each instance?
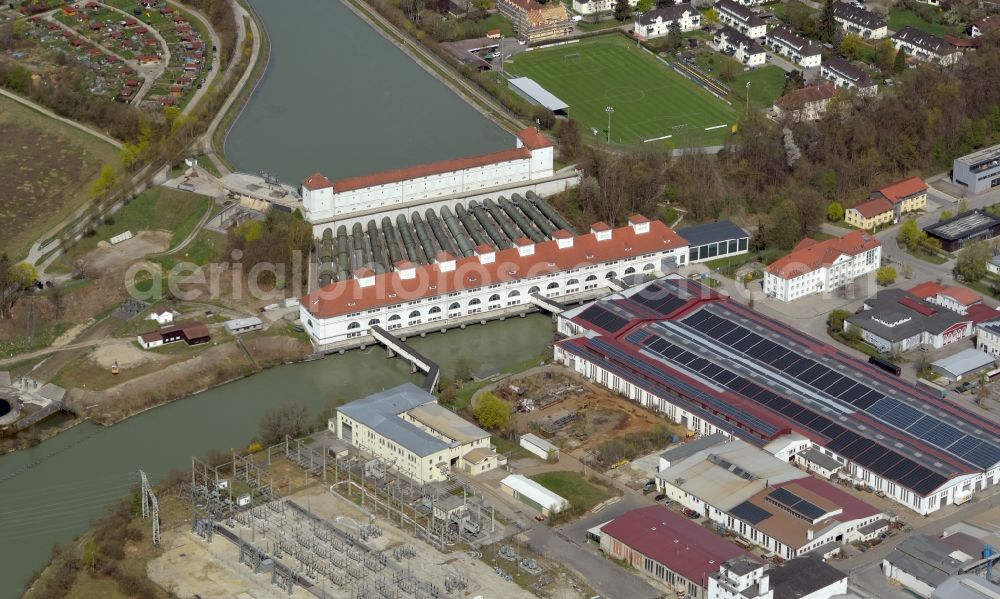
(714, 365)
(526, 168)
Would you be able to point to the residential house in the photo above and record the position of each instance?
(806, 104)
(591, 7)
(740, 18)
(161, 315)
(657, 23)
(925, 47)
(846, 75)
(741, 47)
(960, 300)
(534, 22)
(822, 266)
(859, 21)
(798, 49)
(988, 336)
(984, 26)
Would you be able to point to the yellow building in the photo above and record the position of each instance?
(537, 22)
(886, 205)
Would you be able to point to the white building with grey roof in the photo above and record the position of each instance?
(859, 21)
(657, 23)
(409, 431)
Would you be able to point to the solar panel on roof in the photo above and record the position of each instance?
(881, 465)
(791, 410)
(871, 456)
(857, 448)
(697, 364)
(744, 344)
(813, 373)
(797, 366)
(695, 318)
(598, 316)
(737, 383)
(821, 423)
(685, 357)
(733, 336)
(964, 445)
(929, 484)
(866, 402)
(724, 377)
(750, 513)
(985, 455)
(763, 347)
(901, 469)
(914, 476)
(841, 441)
(881, 407)
(921, 426)
(900, 418)
(943, 435)
(842, 387)
(636, 336)
(774, 355)
(827, 380)
(720, 329)
(779, 403)
(659, 299)
(711, 370)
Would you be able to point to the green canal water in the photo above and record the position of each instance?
(340, 99)
(50, 493)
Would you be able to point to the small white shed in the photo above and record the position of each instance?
(539, 446)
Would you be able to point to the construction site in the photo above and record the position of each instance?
(311, 519)
(381, 245)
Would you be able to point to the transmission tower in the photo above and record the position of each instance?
(149, 500)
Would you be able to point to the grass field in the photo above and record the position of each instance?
(650, 100)
(899, 18)
(571, 486)
(766, 83)
(47, 169)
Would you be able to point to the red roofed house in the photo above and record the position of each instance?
(669, 547)
(984, 25)
(822, 266)
(806, 104)
(490, 283)
(887, 204)
(955, 298)
(192, 334)
(501, 173)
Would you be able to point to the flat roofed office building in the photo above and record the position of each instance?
(978, 172)
(711, 241)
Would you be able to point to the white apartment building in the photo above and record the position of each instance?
(598, 6)
(859, 21)
(657, 23)
(925, 47)
(740, 46)
(410, 432)
(796, 48)
(988, 337)
(819, 266)
(325, 202)
(843, 74)
(740, 18)
(489, 282)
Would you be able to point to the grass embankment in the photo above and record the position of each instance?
(156, 209)
(766, 83)
(901, 17)
(48, 168)
(649, 98)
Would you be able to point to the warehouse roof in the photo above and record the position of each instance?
(964, 362)
(895, 314)
(964, 225)
(535, 492)
(803, 576)
(817, 457)
(679, 452)
(966, 586)
(684, 547)
(720, 230)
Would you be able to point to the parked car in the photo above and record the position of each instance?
(660, 497)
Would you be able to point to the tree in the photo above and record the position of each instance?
(662, 3)
(971, 263)
(945, 215)
(492, 413)
(910, 236)
(644, 6)
(622, 9)
(836, 319)
(899, 64)
(835, 212)
(711, 16)
(569, 138)
(105, 181)
(675, 39)
(793, 81)
(963, 205)
(785, 230)
(289, 419)
(827, 28)
(850, 45)
(885, 276)
(884, 55)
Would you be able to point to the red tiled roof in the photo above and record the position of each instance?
(808, 94)
(151, 337)
(853, 507)
(811, 254)
(348, 296)
(926, 290)
(873, 208)
(988, 23)
(195, 331)
(684, 547)
(317, 181)
(916, 306)
(533, 139)
(525, 5)
(962, 295)
(961, 42)
(978, 313)
(901, 190)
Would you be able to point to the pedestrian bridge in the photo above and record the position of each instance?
(397, 347)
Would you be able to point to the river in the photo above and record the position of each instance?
(340, 99)
(49, 494)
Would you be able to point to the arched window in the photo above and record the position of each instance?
(414, 314)
(572, 282)
(434, 310)
(534, 289)
(649, 266)
(514, 293)
(629, 270)
(494, 298)
(552, 285)
(475, 301)
(454, 306)
(611, 275)
(354, 325)
(394, 317)
(373, 322)
(590, 278)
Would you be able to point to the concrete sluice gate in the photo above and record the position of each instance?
(380, 244)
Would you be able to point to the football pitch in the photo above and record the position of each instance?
(650, 100)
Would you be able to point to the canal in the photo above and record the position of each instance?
(49, 494)
(340, 99)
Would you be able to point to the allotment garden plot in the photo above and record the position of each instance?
(651, 101)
